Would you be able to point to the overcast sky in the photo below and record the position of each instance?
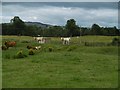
(57, 13)
(60, 0)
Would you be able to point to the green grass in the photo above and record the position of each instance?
(73, 66)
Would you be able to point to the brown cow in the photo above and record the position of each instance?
(10, 44)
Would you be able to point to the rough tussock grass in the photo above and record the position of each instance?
(66, 66)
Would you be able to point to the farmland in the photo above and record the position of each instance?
(88, 62)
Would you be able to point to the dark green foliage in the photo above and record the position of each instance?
(32, 30)
(73, 29)
(95, 30)
(110, 31)
(84, 31)
(50, 49)
(96, 44)
(31, 52)
(54, 31)
(18, 27)
(116, 41)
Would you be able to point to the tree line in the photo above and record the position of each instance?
(18, 27)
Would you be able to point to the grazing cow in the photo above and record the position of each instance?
(40, 39)
(29, 47)
(66, 40)
(62, 38)
(34, 47)
(38, 47)
(3, 47)
(10, 44)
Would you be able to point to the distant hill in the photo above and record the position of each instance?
(38, 24)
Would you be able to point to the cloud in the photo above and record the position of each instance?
(60, 0)
(113, 5)
(58, 15)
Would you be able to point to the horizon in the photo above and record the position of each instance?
(64, 25)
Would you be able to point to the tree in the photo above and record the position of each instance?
(19, 25)
(116, 31)
(84, 31)
(71, 27)
(7, 29)
(31, 30)
(95, 29)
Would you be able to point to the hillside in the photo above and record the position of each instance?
(38, 24)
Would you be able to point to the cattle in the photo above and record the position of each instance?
(34, 47)
(3, 47)
(40, 40)
(10, 44)
(38, 47)
(62, 38)
(29, 47)
(65, 40)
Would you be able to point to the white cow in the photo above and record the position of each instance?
(66, 40)
(40, 39)
(38, 47)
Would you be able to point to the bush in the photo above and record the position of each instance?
(31, 52)
(20, 55)
(86, 44)
(115, 41)
(95, 44)
(50, 49)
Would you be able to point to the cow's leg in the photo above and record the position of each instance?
(39, 41)
(63, 42)
(68, 42)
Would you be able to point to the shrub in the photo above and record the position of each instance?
(31, 52)
(95, 44)
(20, 55)
(115, 41)
(50, 49)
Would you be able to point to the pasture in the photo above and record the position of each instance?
(88, 62)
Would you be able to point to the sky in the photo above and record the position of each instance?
(60, 0)
(57, 13)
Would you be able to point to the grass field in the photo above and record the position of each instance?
(73, 66)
